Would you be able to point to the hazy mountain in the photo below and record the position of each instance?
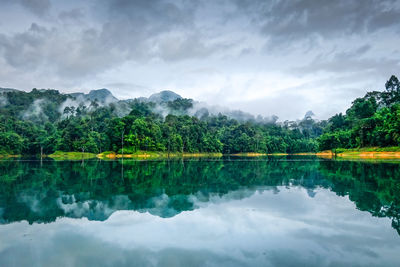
(103, 96)
(45, 119)
(164, 96)
(165, 102)
(6, 90)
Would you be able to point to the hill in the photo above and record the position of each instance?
(103, 96)
(164, 96)
(47, 121)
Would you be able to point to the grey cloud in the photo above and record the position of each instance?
(53, 51)
(155, 29)
(38, 7)
(24, 49)
(356, 60)
(167, 13)
(130, 22)
(180, 47)
(154, 43)
(287, 20)
(127, 30)
(75, 14)
(384, 19)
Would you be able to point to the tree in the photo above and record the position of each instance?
(392, 91)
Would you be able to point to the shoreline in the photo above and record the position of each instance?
(156, 155)
(360, 153)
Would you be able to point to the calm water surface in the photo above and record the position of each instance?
(204, 212)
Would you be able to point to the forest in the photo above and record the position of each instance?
(371, 121)
(44, 121)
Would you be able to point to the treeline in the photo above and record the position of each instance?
(31, 123)
(41, 121)
(373, 120)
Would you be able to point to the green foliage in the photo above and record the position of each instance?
(33, 123)
(391, 94)
(371, 121)
(60, 155)
(180, 106)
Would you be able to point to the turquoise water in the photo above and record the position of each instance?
(202, 212)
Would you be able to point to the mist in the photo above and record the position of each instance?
(35, 111)
(3, 101)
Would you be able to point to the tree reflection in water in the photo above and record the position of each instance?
(39, 191)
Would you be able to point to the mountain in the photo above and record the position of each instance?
(164, 96)
(6, 90)
(121, 108)
(103, 96)
(45, 120)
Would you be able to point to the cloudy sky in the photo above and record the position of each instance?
(264, 57)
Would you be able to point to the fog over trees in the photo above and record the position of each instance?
(44, 121)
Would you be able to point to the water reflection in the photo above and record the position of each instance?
(199, 213)
(239, 228)
(42, 192)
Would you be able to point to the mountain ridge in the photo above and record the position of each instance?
(162, 100)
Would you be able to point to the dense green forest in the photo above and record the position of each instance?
(44, 121)
(372, 120)
(41, 121)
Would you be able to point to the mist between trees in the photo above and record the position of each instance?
(44, 121)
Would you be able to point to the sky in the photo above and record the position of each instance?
(281, 57)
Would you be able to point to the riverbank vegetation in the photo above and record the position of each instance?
(371, 121)
(32, 123)
(60, 155)
(45, 121)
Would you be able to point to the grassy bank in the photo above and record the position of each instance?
(362, 153)
(249, 154)
(254, 154)
(61, 155)
(155, 155)
(357, 153)
(6, 156)
(340, 153)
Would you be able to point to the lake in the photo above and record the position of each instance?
(279, 211)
